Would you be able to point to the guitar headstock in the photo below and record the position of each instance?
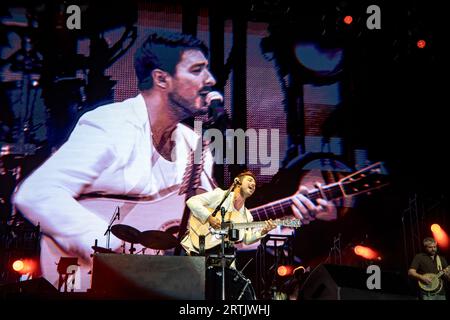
(364, 180)
(289, 222)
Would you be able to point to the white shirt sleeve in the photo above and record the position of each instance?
(48, 196)
(199, 203)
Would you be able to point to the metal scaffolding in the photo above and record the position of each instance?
(274, 251)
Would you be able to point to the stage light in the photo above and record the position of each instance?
(421, 44)
(439, 235)
(24, 266)
(288, 270)
(284, 271)
(435, 228)
(18, 265)
(366, 253)
(348, 20)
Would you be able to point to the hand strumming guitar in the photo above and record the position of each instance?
(425, 279)
(214, 222)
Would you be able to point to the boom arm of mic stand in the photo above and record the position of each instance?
(223, 199)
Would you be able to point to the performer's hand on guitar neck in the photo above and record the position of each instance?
(305, 210)
(447, 272)
(214, 222)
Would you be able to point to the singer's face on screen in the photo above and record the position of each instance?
(248, 186)
(189, 83)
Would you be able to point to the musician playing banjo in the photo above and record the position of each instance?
(431, 270)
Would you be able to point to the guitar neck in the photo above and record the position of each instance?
(277, 209)
(245, 225)
(260, 224)
(441, 273)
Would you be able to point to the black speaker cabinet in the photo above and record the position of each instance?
(126, 276)
(338, 282)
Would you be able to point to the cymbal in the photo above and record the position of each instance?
(101, 249)
(126, 233)
(159, 240)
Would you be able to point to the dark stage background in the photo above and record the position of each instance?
(341, 96)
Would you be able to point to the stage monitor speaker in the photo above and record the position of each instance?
(127, 276)
(338, 282)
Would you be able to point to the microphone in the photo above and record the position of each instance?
(216, 109)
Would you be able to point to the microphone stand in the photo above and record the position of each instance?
(115, 216)
(222, 253)
(223, 232)
(233, 186)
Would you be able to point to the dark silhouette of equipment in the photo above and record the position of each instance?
(339, 282)
(126, 276)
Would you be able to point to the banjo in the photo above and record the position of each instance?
(436, 282)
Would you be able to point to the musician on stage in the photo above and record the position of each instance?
(202, 205)
(427, 264)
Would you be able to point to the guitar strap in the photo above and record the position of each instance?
(190, 182)
(438, 263)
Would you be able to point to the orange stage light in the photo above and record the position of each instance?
(348, 19)
(24, 266)
(439, 235)
(366, 253)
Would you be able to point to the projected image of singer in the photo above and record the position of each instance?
(136, 148)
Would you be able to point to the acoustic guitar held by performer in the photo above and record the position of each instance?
(431, 272)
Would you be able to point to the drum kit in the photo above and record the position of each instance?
(151, 239)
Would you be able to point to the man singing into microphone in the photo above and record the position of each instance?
(202, 204)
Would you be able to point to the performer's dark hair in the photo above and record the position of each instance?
(162, 51)
(428, 240)
(241, 175)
